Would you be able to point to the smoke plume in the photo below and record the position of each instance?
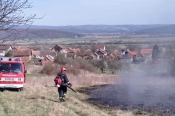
(144, 86)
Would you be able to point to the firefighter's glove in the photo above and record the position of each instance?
(58, 85)
(70, 84)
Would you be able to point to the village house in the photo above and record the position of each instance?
(43, 56)
(58, 49)
(76, 51)
(114, 54)
(19, 48)
(47, 59)
(45, 52)
(133, 53)
(24, 55)
(126, 58)
(137, 57)
(4, 48)
(88, 54)
(82, 54)
(147, 54)
(144, 55)
(100, 54)
(35, 52)
(71, 53)
(100, 47)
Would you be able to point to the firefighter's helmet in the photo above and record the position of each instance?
(63, 69)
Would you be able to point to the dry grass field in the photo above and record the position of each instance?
(38, 100)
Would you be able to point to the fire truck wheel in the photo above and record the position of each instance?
(20, 89)
(2, 89)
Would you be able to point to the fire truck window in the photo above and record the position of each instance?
(4, 67)
(16, 67)
(7, 67)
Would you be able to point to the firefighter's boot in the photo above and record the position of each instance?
(64, 95)
(62, 99)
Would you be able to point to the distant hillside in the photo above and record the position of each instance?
(51, 33)
(89, 29)
(43, 34)
(118, 29)
(163, 30)
(82, 30)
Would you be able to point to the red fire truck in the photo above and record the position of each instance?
(12, 73)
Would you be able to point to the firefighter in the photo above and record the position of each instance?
(62, 88)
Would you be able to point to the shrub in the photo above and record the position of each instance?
(114, 65)
(60, 59)
(99, 64)
(85, 65)
(72, 70)
(73, 66)
(9, 54)
(107, 64)
(53, 69)
(50, 69)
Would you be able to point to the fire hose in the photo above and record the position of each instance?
(66, 86)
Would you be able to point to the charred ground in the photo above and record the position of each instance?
(118, 96)
(145, 89)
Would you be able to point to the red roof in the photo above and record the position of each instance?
(4, 46)
(46, 52)
(95, 54)
(21, 53)
(133, 53)
(36, 53)
(99, 46)
(70, 50)
(146, 51)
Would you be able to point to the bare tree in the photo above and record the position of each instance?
(155, 53)
(12, 16)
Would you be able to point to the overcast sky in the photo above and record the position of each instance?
(110, 12)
